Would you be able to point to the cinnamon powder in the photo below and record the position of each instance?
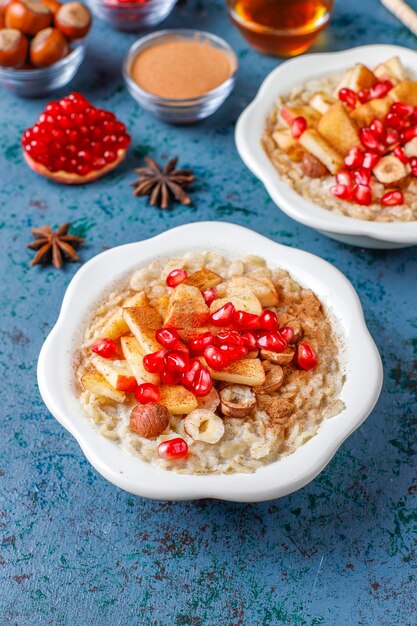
(180, 68)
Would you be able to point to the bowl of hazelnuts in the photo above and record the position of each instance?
(42, 44)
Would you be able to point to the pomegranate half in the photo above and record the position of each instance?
(74, 142)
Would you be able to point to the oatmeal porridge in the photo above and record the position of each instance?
(349, 142)
(202, 364)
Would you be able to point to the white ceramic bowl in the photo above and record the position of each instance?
(251, 124)
(361, 362)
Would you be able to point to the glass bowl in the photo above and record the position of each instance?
(38, 82)
(132, 16)
(175, 111)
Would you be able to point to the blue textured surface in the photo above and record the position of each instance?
(74, 549)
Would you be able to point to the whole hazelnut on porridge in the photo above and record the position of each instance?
(149, 420)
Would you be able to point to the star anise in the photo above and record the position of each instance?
(53, 247)
(163, 185)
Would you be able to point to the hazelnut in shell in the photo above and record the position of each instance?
(2, 22)
(149, 420)
(237, 401)
(27, 16)
(13, 48)
(48, 47)
(73, 19)
(53, 5)
(3, 6)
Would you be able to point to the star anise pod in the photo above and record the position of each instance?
(163, 185)
(53, 247)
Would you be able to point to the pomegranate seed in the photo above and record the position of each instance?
(170, 377)
(155, 362)
(392, 137)
(413, 164)
(167, 337)
(379, 129)
(362, 176)
(105, 347)
(380, 89)
(393, 120)
(229, 336)
(348, 96)
(176, 277)
(362, 194)
(273, 341)
(370, 160)
(199, 344)
(344, 178)
(224, 316)
(371, 141)
(173, 449)
(249, 340)
(233, 353)
(409, 134)
(393, 198)
(188, 378)
(246, 321)
(400, 154)
(126, 383)
(298, 127)
(364, 95)
(202, 383)
(287, 333)
(210, 295)
(404, 110)
(307, 357)
(269, 320)
(177, 361)
(341, 191)
(354, 158)
(147, 392)
(215, 357)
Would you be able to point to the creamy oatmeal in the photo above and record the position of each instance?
(349, 142)
(233, 360)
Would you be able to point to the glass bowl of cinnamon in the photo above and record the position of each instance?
(132, 15)
(181, 76)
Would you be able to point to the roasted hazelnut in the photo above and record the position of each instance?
(27, 16)
(13, 48)
(149, 420)
(73, 19)
(53, 5)
(48, 47)
(278, 358)
(2, 22)
(3, 6)
(273, 381)
(312, 167)
(204, 425)
(237, 401)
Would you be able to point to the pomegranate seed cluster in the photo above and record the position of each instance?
(73, 136)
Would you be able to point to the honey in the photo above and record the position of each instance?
(281, 27)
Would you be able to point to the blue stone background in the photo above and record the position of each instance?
(75, 550)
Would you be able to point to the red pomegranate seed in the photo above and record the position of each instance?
(354, 158)
(188, 378)
(287, 333)
(364, 95)
(269, 320)
(393, 137)
(273, 341)
(147, 392)
(298, 127)
(246, 321)
(362, 194)
(404, 110)
(105, 347)
(380, 89)
(176, 277)
(202, 383)
(379, 129)
(393, 120)
(349, 97)
(400, 154)
(362, 176)
(170, 377)
(409, 134)
(229, 336)
(232, 352)
(167, 337)
(177, 361)
(173, 449)
(199, 344)
(370, 160)
(126, 383)
(249, 340)
(371, 141)
(413, 165)
(210, 295)
(307, 357)
(344, 178)
(155, 362)
(224, 316)
(393, 198)
(215, 357)
(341, 191)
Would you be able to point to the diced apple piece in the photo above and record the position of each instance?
(392, 69)
(362, 78)
(390, 170)
(344, 83)
(204, 279)
(322, 150)
(116, 326)
(112, 371)
(266, 293)
(178, 401)
(143, 322)
(133, 353)
(322, 102)
(242, 301)
(410, 148)
(243, 372)
(289, 113)
(365, 114)
(99, 386)
(284, 139)
(161, 305)
(405, 92)
(187, 308)
(339, 130)
(187, 334)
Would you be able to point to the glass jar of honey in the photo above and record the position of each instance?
(280, 27)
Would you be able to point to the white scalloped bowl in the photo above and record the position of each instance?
(361, 362)
(250, 127)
